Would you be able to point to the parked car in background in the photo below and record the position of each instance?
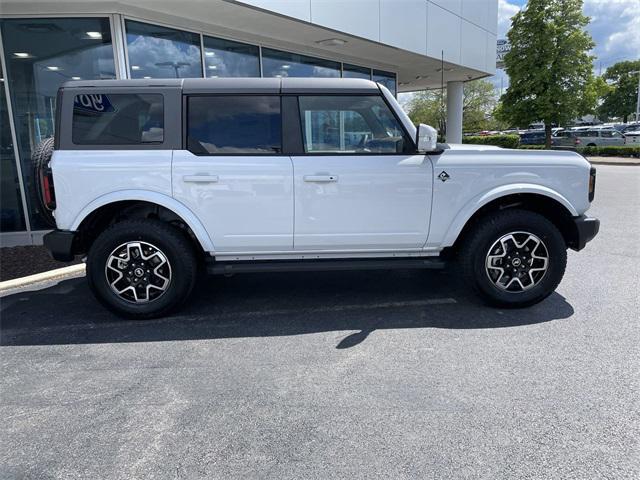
(632, 138)
(532, 137)
(628, 127)
(588, 137)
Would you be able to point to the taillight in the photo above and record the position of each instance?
(592, 183)
(577, 142)
(48, 193)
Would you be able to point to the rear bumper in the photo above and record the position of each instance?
(586, 229)
(60, 244)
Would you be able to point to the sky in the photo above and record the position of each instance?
(614, 27)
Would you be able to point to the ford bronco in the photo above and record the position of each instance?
(156, 180)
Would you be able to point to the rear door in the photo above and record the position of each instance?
(232, 173)
(359, 184)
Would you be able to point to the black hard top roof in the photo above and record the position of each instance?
(238, 85)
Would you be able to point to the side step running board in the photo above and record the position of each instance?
(223, 268)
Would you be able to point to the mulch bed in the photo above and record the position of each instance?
(18, 262)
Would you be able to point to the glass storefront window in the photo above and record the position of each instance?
(387, 79)
(41, 54)
(224, 58)
(11, 214)
(283, 64)
(161, 52)
(354, 71)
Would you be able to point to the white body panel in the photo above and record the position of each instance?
(86, 180)
(83, 176)
(478, 175)
(362, 202)
(244, 202)
(378, 205)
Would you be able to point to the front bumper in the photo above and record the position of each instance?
(585, 229)
(60, 244)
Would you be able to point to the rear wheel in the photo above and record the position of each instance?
(514, 258)
(142, 268)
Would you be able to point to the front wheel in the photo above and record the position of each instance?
(141, 268)
(514, 258)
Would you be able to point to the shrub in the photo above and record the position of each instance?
(504, 141)
(614, 151)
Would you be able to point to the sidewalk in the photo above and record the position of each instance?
(614, 160)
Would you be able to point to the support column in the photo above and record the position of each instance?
(454, 112)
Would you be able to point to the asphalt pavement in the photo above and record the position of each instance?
(337, 375)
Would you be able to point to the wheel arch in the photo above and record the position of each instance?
(127, 204)
(542, 200)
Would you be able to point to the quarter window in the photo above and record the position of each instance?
(350, 125)
(234, 125)
(118, 119)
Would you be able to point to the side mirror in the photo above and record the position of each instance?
(427, 138)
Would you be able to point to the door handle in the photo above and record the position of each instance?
(200, 178)
(320, 178)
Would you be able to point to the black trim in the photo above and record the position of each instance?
(592, 183)
(291, 126)
(586, 228)
(60, 244)
(58, 119)
(226, 267)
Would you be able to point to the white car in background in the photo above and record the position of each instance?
(632, 138)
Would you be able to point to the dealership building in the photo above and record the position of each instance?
(407, 45)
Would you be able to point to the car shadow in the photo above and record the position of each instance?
(274, 304)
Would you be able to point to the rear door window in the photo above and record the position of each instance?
(234, 125)
(118, 119)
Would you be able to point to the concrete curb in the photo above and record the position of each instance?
(57, 274)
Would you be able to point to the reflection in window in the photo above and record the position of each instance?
(41, 54)
(224, 58)
(387, 79)
(11, 214)
(354, 71)
(118, 119)
(230, 124)
(283, 64)
(160, 52)
(350, 124)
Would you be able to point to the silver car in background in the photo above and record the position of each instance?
(588, 137)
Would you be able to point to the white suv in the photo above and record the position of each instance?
(155, 179)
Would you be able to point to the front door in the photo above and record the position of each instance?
(358, 186)
(233, 174)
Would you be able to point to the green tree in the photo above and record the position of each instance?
(594, 91)
(622, 96)
(549, 66)
(477, 107)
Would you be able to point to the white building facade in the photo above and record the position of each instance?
(403, 44)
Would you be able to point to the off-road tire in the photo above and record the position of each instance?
(170, 241)
(472, 257)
